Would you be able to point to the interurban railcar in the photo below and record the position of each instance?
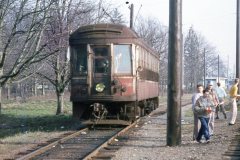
(115, 74)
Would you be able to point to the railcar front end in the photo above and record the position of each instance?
(108, 79)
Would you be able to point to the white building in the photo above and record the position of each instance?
(215, 80)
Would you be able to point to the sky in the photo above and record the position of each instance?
(215, 20)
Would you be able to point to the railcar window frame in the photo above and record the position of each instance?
(101, 59)
(79, 59)
(122, 59)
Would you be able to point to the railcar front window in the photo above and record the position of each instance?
(122, 59)
(101, 65)
(80, 59)
(101, 59)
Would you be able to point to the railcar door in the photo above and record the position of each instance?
(101, 69)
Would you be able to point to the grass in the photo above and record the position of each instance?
(34, 116)
(24, 125)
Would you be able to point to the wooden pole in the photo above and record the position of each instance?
(218, 70)
(174, 73)
(204, 81)
(131, 15)
(237, 45)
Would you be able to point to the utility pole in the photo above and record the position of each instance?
(237, 44)
(204, 74)
(218, 68)
(131, 7)
(174, 73)
(228, 72)
(131, 15)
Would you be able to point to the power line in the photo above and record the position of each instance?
(137, 14)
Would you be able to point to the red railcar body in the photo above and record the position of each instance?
(114, 73)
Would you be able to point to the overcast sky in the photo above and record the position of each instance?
(213, 19)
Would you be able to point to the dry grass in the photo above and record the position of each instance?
(23, 125)
(10, 146)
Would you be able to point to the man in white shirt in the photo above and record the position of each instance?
(195, 97)
(221, 95)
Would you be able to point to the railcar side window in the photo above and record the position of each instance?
(122, 58)
(80, 59)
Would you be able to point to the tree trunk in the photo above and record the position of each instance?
(21, 90)
(59, 103)
(43, 89)
(35, 87)
(16, 91)
(0, 100)
(8, 92)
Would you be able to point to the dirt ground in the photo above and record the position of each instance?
(148, 141)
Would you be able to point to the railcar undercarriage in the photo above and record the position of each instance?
(112, 113)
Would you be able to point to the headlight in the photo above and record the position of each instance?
(99, 87)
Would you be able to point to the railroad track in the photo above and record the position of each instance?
(233, 152)
(83, 144)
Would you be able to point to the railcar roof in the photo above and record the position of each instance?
(104, 32)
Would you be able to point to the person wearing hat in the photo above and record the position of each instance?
(214, 98)
(234, 96)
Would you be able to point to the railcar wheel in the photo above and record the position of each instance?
(149, 106)
(135, 111)
(138, 112)
(130, 112)
(142, 111)
(156, 103)
(152, 105)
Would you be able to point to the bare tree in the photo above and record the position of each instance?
(192, 59)
(194, 47)
(67, 16)
(64, 19)
(21, 30)
(106, 12)
(114, 16)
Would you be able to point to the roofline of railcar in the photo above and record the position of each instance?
(105, 32)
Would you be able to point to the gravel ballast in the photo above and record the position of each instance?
(147, 141)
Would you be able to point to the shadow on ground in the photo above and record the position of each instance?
(12, 125)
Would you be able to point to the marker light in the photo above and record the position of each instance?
(99, 87)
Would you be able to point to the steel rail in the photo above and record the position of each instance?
(105, 144)
(49, 146)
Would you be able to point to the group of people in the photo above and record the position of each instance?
(208, 102)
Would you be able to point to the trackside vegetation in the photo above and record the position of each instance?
(34, 115)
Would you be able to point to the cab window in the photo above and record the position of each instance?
(79, 59)
(122, 59)
(101, 59)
